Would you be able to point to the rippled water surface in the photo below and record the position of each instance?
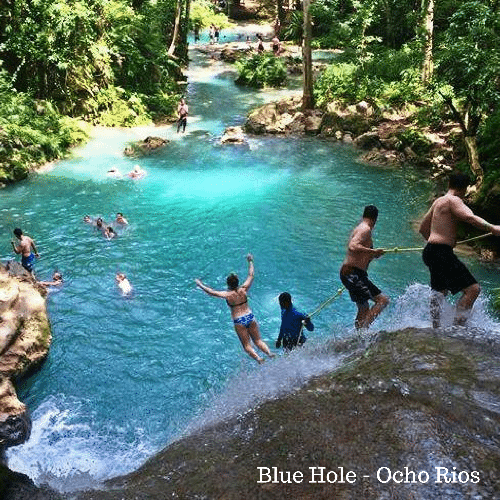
(127, 375)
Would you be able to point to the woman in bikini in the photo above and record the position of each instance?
(244, 321)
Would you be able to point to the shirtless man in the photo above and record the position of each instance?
(353, 273)
(24, 248)
(182, 112)
(439, 228)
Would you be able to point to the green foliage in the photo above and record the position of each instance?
(203, 14)
(32, 132)
(416, 140)
(336, 82)
(261, 70)
(469, 58)
(489, 147)
(495, 299)
(295, 29)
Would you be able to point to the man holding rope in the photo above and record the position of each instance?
(439, 228)
(353, 273)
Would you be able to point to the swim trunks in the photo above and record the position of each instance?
(245, 320)
(447, 272)
(28, 262)
(360, 288)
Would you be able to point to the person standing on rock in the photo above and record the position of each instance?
(26, 244)
(244, 321)
(182, 113)
(439, 228)
(354, 275)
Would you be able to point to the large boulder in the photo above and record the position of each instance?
(24, 343)
(420, 402)
(145, 147)
(233, 135)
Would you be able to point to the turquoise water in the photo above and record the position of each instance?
(127, 375)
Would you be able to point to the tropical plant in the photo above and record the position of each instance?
(261, 70)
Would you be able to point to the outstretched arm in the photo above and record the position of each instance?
(463, 212)
(211, 291)
(251, 273)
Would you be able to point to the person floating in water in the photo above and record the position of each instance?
(137, 172)
(114, 172)
(123, 283)
(57, 280)
(353, 273)
(120, 220)
(292, 323)
(244, 321)
(439, 228)
(182, 113)
(26, 244)
(109, 233)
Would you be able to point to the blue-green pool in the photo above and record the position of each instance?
(125, 376)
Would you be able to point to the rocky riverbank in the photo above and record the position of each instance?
(24, 342)
(410, 415)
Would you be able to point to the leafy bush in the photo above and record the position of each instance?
(32, 132)
(203, 14)
(261, 70)
(336, 82)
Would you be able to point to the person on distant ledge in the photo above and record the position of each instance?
(26, 244)
(292, 323)
(244, 321)
(439, 228)
(354, 275)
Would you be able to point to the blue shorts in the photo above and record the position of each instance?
(244, 320)
(28, 262)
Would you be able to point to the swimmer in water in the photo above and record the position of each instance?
(121, 220)
(114, 172)
(137, 172)
(123, 284)
(57, 280)
(109, 233)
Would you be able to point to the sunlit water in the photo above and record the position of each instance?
(126, 376)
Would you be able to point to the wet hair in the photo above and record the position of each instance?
(370, 212)
(285, 300)
(18, 232)
(57, 276)
(99, 221)
(458, 181)
(232, 281)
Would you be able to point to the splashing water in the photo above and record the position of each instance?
(127, 376)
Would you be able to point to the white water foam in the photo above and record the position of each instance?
(282, 375)
(68, 455)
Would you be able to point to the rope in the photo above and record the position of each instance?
(327, 302)
(416, 249)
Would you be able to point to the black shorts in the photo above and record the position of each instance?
(447, 272)
(360, 288)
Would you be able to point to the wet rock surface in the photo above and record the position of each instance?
(411, 415)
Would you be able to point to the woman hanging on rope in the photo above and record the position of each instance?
(244, 321)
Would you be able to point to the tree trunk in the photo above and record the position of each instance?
(178, 12)
(281, 13)
(473, 156)
(428, 32)
(307, 97)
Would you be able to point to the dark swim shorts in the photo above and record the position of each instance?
(447, 272)
(360, 288)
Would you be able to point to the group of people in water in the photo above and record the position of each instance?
(447, 273)
(26, 247)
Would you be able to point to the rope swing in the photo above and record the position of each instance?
(416, 249)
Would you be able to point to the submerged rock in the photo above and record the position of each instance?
(145, 147)
(233, 135)
(415, 415)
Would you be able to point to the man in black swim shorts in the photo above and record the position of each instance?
(448, 274)
(354, 275)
